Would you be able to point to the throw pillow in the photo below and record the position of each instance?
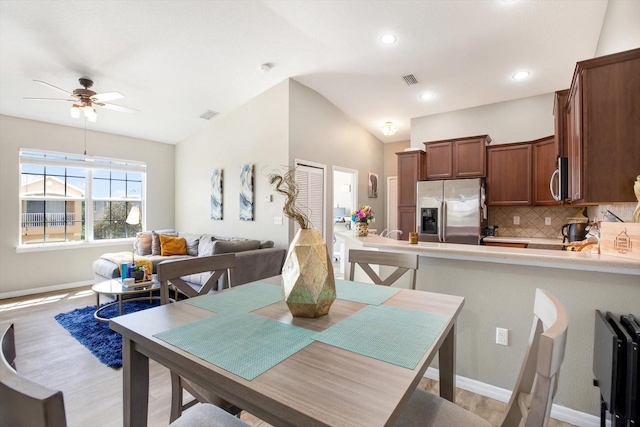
(142, 244)
(225, 246)
(172, 245)
(193, 241)
(155, 239)
(265, 244)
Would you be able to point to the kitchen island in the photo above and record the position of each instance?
(499, 287)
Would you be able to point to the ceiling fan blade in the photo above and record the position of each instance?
(118, 108)
(50, 99)
(55, 87)
(107, 96)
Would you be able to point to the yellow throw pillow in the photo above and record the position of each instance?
(172, 245)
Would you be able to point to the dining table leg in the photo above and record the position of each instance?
(135, 381)
(447, 366)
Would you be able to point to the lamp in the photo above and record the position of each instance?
(86, 107)
(134, 219)
(75, 111)
(389, 129)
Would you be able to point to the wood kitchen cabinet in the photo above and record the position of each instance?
(457, 158)
(545, 155)
(509, 174)
(560, 122)
(603, 129)
(411, 165)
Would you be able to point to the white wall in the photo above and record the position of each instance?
(23, 273)
(621, 27)
(519, 120)
(257, 133)
(320, 132)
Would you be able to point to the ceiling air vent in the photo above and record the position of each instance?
(410, 79)
(208, 115)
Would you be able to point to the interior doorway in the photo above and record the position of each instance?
(345, 201)
(392, 203)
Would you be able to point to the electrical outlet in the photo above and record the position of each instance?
(502, 336)
(547, 220)
(268, 198)
(516, 220)
(277, 220)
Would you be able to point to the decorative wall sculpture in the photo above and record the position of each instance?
(246, 192)
(216, 194)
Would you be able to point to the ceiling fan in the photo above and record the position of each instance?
(85, 99)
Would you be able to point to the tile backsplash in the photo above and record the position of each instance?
(532, 218)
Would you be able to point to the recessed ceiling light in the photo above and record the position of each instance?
(521, 75)
(426, 96)
(388, 38)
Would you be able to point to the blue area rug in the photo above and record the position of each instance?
(104, 343)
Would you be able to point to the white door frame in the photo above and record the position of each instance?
(354, 201)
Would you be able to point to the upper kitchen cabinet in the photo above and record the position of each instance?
(545, 154)
(509, 174)
(603, 129)
(410, 171)
(457, 158)
(560, 122)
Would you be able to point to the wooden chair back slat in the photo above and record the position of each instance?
(403, 263)
(173, 272)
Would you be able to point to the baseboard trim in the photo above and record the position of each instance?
(561, 413)
(44, 289)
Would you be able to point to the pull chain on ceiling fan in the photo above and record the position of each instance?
(85, 99)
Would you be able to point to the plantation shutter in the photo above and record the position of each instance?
(310, 181)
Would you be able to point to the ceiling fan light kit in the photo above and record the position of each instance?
(85, 99)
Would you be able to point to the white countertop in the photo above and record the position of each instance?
(537, 257)
(527, 240)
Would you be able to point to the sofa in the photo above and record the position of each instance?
(255, 259)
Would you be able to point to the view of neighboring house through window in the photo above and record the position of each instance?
(56, 189)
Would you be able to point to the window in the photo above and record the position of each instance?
(56, 189)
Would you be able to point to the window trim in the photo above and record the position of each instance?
(89, 164)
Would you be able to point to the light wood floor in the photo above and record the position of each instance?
(92, 392)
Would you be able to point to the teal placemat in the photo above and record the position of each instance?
(241, 343)
(365, 293)
(244, 298)
(390, 334)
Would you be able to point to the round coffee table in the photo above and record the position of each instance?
(118, 290)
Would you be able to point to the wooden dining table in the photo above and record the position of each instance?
(319, 385)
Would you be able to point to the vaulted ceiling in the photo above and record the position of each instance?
(174, 60)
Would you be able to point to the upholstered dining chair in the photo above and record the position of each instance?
(26, 403)
(403, 263)
(171, 273)
(530, 403)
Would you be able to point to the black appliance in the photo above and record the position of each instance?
(575, 232)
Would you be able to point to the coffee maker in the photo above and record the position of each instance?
(575, 232)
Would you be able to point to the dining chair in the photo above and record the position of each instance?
(403, 263)
(171, 273)
(26, 403)
(532, 397)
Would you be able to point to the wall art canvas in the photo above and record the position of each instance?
(373, 185)
(216, 194)
(246, 192)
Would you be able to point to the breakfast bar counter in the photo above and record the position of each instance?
(584, 261)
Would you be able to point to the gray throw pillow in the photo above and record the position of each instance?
(225, 246)
(142, 245)
(205, 247)
(155, 240)
(264, 244)
(192, 240)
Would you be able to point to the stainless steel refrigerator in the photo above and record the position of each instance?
(451, 211)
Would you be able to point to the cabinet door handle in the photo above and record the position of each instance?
(554, 194)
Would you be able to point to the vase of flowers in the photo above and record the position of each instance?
(361, 218)
(308, 283)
